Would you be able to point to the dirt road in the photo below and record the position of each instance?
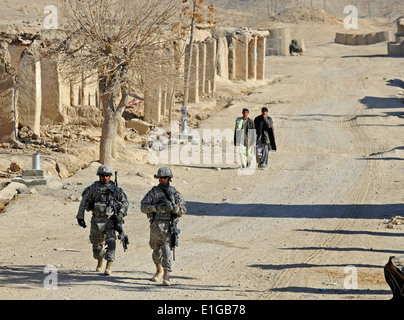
(311, 226)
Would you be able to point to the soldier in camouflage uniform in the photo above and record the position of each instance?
(161, 204)
(100, 198)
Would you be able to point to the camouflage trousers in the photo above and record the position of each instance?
(102, 233)
(160, 243)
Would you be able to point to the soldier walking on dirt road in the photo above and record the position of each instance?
(109, 205)
(163, 205)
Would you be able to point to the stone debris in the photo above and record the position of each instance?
(394, 221)
(12, 189)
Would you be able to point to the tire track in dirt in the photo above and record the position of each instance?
(362, 144)
(357, 192)
(277, 172)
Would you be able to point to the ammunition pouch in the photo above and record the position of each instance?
(102, 210)
(161, 215)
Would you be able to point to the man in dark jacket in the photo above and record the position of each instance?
(265, 137)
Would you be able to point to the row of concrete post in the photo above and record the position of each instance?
(235, 56)
(37, 93)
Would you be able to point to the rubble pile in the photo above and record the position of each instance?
(58, 138)
(394, 221)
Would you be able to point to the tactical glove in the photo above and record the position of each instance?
(81, 223)
(120, 216)
(165, 207)
(176, 211)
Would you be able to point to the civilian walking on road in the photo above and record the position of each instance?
(265, 138)
(244, 138)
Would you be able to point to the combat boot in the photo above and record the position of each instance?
(158, 274)
(166, 278)
(108, 268)
(99, 265)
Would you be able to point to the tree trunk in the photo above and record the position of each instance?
(112, 117)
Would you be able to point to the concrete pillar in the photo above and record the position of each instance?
(175, 66)
(202, 67)
(29, 96)
(252, 58)
(76, 90)
(55, 93)
(241, 72)
(286, 40)
(280, 39)
(210, 72)
(194, 78)
(90, 89)
(152, 103)
(8, 106)
(170, 98)
(164, 100)
(261, 50)
(64, 87)
(231, 40)
(222, 58)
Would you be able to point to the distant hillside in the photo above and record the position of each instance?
(377, 8)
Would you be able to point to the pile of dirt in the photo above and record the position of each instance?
(304, 14)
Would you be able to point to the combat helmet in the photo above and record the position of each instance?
(104, 169)
(163, 172)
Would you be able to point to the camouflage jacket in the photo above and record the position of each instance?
(100, 197)
(156, 196)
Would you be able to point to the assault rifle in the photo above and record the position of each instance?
(122, 236)
(118, 225)
(174, 232)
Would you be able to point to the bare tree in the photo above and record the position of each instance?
(122, 43)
